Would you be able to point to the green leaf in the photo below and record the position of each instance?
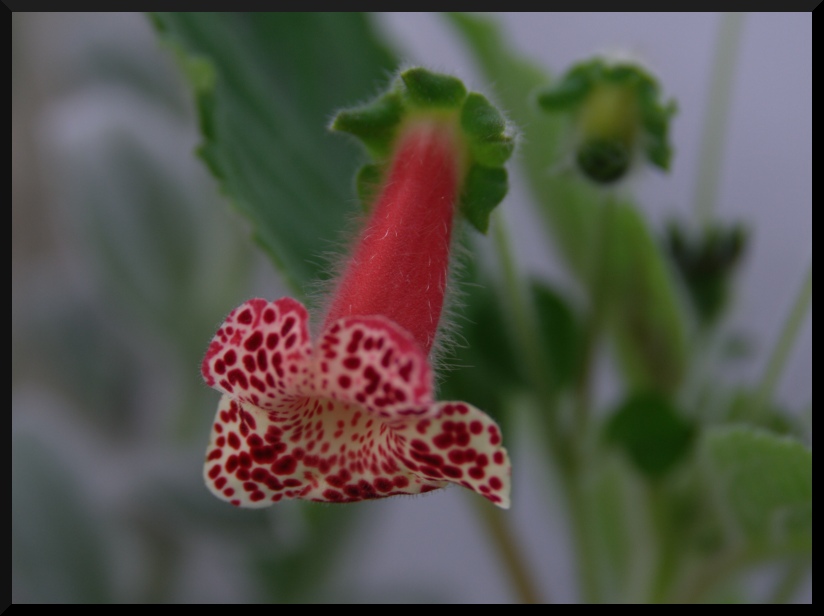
(561, 335)
(648, 323)
(651, 432)
(764, 483)
(265, 86)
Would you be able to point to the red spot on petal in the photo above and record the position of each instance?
(254, 341)
(419, 445)
(284, 465)
(452, 471)
(444, 440)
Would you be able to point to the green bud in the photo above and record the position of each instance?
(617, 117)
(707, 262)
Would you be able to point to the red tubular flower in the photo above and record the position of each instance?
(352, 416)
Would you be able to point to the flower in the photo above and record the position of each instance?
(353, 416)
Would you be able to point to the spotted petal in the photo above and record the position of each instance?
(373, 363)
(461, 445)
(261, 352)
(312, 448)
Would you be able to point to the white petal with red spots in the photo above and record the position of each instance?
(354, 421)
(261, 352)
(461, 445)
(371, 362)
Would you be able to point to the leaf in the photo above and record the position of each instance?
(648, 322)
(764, 483)
(561, 334)
(265, 87)
(651, 432)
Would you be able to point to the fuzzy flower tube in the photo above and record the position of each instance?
(351, 415)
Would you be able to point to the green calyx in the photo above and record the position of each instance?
(618, 114)
(419, 94)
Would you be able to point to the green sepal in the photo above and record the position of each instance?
(425, 89)
(374, 124)
(483, 189)
(368, 183)
(566, 95)
(485, 129)
(415, 95)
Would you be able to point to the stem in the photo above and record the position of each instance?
(778, 358)
(513, 559)
(524, 319)
(712, 139)
(599, 281)
(525, 325)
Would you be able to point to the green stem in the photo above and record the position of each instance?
(599, 291)
(525, 325)
(506, 546)
(781, 351)
(712, 139)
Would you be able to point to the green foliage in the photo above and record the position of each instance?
(263, 97)
(561, 335)
(652, 433)
(764, 484)
(647, 320)
(706, 262)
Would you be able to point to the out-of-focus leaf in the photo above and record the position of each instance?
(266, 85)
(57, 550)
(561, 335)
(764, 483)
(648, 321)
(651, 432)
(770, 416)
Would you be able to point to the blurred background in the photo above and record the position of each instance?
(118, 230)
